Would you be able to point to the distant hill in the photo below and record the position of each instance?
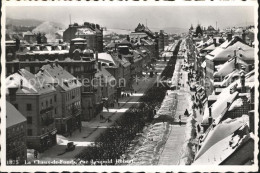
(29, 22)
(50, 29)
(23, 22)
(112, 31)
(171, 30)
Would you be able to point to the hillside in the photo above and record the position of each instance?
(23, 22)
(49, 28)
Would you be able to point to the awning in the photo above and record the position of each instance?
(203, 65)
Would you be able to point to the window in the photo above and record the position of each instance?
(29, 107)
(47, 104)
(55, 110)
(29, 132)
(55, 98)
(51, 102)
(29, 120)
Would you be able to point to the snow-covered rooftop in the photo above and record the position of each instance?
(221, 131)
(228, 142)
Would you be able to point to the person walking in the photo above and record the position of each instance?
(180, 120)
(198, 128)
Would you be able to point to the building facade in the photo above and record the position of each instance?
(16, 129)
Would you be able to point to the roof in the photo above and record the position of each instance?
(105, 58)
(111, 45)
(227, 79)
(123, 61)
(229, 142)
(13, 116)
(31, 84)
(103, 72)
(220, 105)
(56, 74)
(78, 39)
(226, 68)
(210, 47)
(244, 52)
(221, 131)
(85, 31)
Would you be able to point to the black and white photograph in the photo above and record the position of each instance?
(129, 85)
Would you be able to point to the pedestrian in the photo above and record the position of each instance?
(180, 122)
(198, 128)
(100, 117)
(186, 112)
(35, 154)
(118, 104)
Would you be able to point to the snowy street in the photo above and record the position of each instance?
(92, 129)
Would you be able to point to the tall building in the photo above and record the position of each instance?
(36, 101)
(68, 97)
(93, 34)
(16, 129)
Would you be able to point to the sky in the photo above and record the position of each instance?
(123, 17)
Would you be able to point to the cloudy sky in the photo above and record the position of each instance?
(123, 17)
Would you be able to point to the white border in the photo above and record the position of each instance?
(159, 168)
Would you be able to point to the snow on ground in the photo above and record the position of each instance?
(146, 146)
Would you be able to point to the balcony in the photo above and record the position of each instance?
(46, 110)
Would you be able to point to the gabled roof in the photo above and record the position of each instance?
(13, 116)
(222, 141)
(55, 74)
(226, 68)
(105, 58)
(30, 83)
(220, 106)
(244, 52)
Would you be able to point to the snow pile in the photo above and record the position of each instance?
(145, 149)
(167, 105)
(187, 149)
(236, 104)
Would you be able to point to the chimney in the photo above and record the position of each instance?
(21, 84)
(242, 80)
(252, 121)
(235, 56)
(210, 116)
(229, 36)
(99, 65)
(215, 42)
(96, 54)
(56, 63)
(244, 36)
(228, 104)
(128, 38)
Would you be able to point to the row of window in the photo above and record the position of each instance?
(16, 143)
(72, 106)
(48, 103)
(15, 129)
(72, 94)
